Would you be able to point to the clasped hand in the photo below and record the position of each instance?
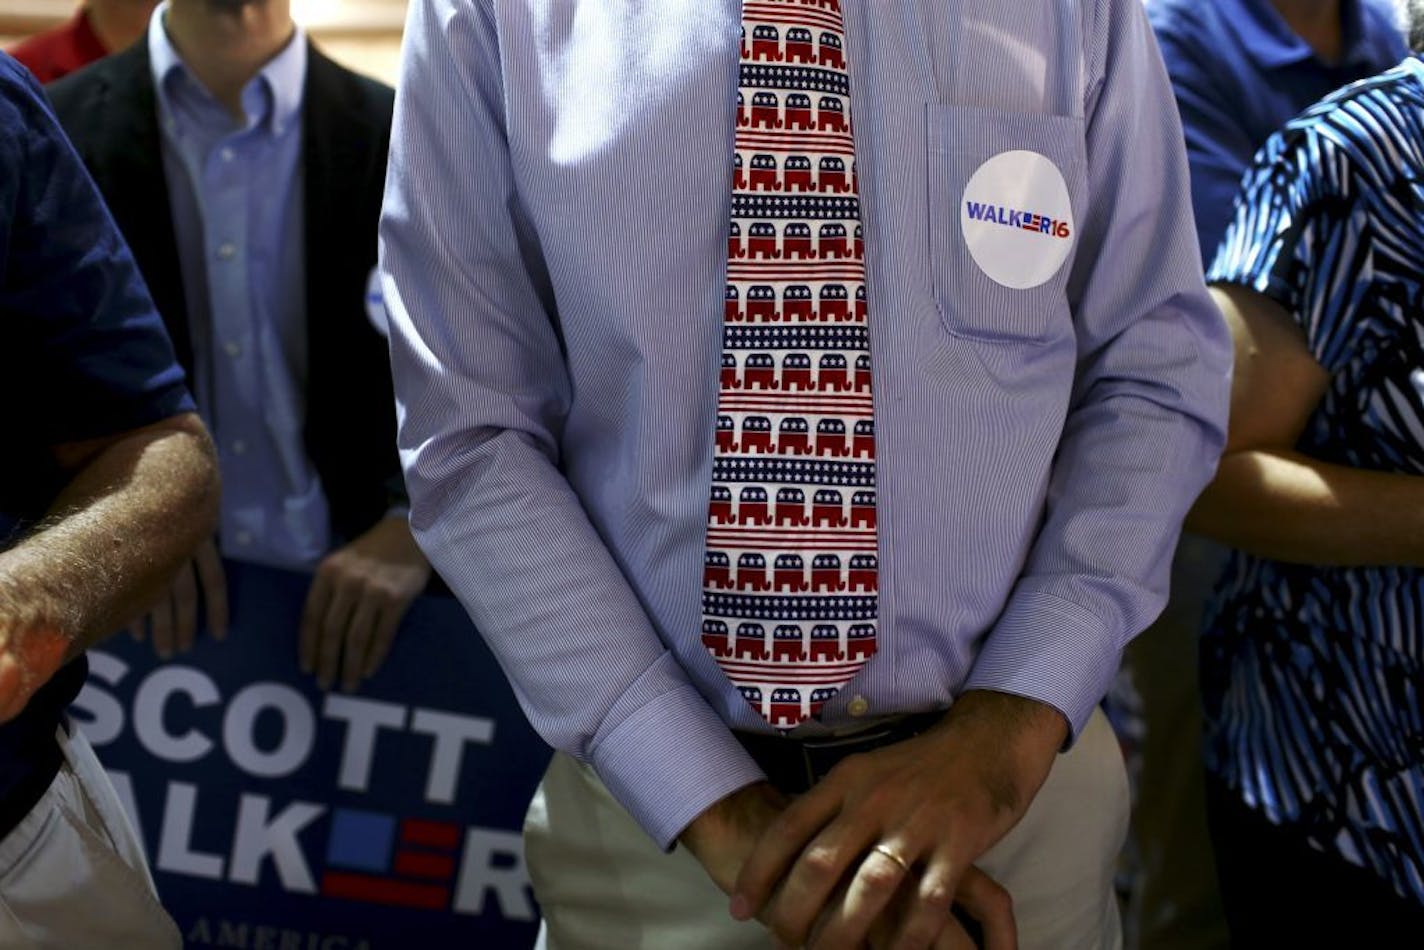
(358, 596)
(809, 868)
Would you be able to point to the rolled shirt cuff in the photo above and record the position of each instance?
(1051, 650)
(670, 761)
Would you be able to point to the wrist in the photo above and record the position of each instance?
(1015, 737)
(30, 598)
(1017, 717)
(730, 815)
(392, 538)
(37, 631)
(722, 837)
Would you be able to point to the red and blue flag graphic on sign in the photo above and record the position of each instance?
(380, 859)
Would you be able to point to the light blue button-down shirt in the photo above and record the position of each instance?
(555, 254)
(236, 194)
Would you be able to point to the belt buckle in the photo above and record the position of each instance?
(819, 755)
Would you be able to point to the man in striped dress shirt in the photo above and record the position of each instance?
(815, 583)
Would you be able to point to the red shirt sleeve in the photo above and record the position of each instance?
(62, 50)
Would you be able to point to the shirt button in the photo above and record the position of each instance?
(227, 251)
(227, 154)
(858, 706)
(244, 538)
(239, 447)
(233, 349)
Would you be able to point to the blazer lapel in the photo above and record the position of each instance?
(337, 143)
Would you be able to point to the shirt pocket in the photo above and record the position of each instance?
(992, 175)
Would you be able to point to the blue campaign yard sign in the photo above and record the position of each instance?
(278, 816)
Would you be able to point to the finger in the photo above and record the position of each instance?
(333, 631)
(384, 637)
(313, 612)
(161, 626)
(954, 937)
(214, 580)
(780, 845)
(185, 608)
(931, 907)
(886, 928)
(807, 893)
(876, 881)
(816, 937)
(359, 632)
(969, 926)
(989, 903)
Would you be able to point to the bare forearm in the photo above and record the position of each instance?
(136, 507)
(1289, 507)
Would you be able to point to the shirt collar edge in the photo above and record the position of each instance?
(283, 76)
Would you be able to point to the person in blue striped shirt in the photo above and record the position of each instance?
(1240, 69)
(1313, 655)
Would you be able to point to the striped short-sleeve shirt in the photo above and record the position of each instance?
(1313, 676)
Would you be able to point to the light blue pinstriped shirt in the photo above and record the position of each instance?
(554, 251)
(238, 218)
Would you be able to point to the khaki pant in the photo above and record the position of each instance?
(602, 882)
(72, 873)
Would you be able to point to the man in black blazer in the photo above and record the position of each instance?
(246, 171)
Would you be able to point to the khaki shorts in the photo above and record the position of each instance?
(72, 873)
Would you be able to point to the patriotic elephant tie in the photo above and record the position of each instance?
(790, 586)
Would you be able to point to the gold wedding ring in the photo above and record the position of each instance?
(889, 852)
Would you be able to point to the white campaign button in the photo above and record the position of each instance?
(1017, 219)
(376, 304)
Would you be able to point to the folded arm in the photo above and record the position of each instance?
(97, 416)
(136, 506)
(1271, 500)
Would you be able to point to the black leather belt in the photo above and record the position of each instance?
(794, 765)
